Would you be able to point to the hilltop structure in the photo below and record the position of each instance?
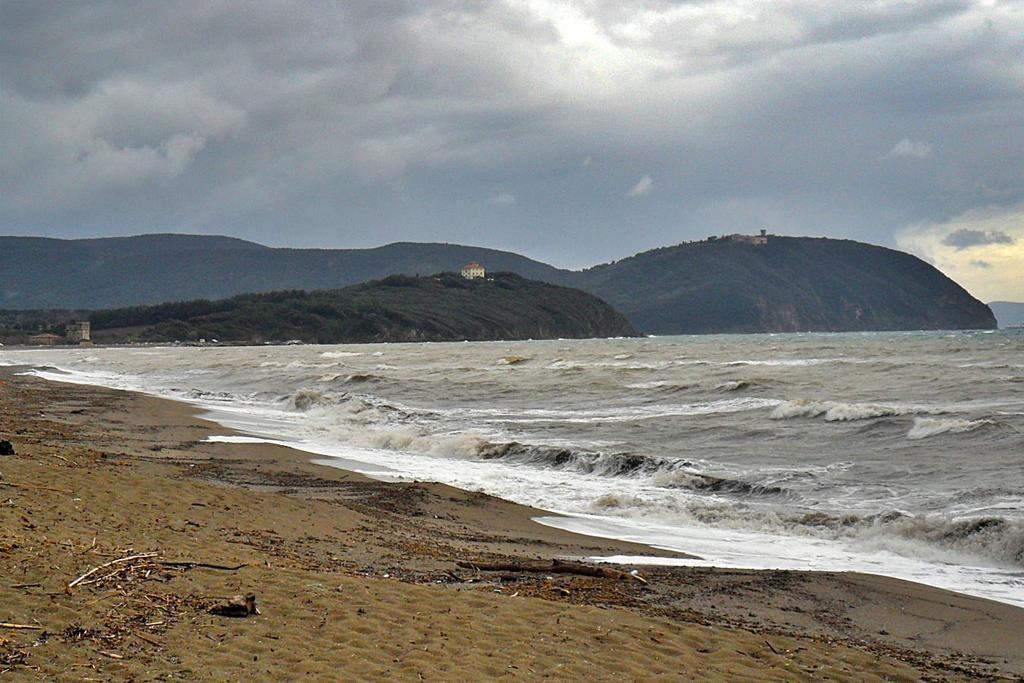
(473, 270)
(750, 239)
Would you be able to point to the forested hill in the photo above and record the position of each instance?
(790, 284)
(399, 308)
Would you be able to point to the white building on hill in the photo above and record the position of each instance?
(473, 270)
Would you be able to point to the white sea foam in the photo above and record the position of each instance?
(925, 427)
(752, 550)
(840, 411)
(621, 414)
(653, 384)
(736, 385)
(786, 362)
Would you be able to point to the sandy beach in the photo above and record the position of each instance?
(358, 579)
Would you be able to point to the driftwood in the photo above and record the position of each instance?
(151, 562)
(29, 627)
(236, 606)
(554, 567)
(92, 571)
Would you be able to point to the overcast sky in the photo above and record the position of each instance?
(573, 132)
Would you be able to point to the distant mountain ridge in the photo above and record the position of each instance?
(790, 284)
(149, 269)
(1008, 313)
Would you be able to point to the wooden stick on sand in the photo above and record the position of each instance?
(29, 627)
(554, 567)
(92, 571)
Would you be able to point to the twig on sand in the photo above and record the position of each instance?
(92, 571)
(205, 565)
(20, 627)
(30, 487)
(149, 639)
(554, 567)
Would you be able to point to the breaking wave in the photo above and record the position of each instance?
(736, 385)
(666, 386)
(360, 377)
(664, 472)
(705, 483)
(368, 421)
(992, 539)
(838, 411)
(925, 427)
(364, 410)
(584, 462)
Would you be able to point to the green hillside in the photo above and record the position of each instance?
(399, 308)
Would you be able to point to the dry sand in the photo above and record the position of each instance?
(357, 579)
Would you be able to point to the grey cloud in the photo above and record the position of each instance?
(357, 123)
(978, 263)
(966, 238)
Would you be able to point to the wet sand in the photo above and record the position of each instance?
(358, 579)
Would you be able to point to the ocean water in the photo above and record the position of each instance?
(894, 453)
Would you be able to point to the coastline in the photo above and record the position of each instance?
(144, 480)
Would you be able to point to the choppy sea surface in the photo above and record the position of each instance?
(894, 453)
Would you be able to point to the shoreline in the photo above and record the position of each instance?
(758, 555)
(414, 533)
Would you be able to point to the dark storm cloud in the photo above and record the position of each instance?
(965, 238)
(575, 132)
